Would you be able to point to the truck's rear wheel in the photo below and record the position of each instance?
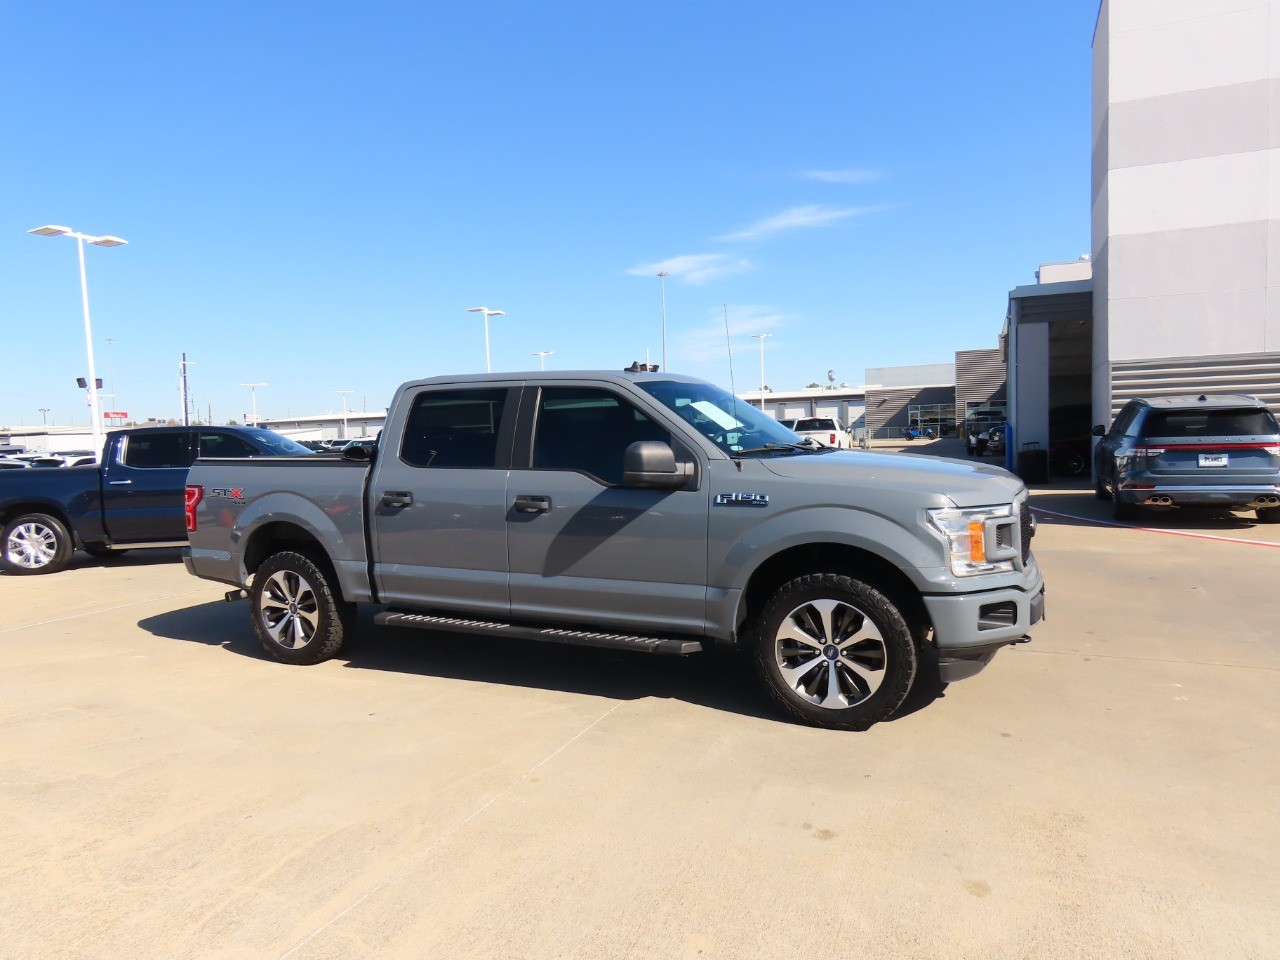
(299, 616)
(834, 652)
(35, 543)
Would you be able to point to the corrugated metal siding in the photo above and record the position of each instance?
(1254, 373)
(980, 378)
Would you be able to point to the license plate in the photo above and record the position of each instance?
(1213, 459)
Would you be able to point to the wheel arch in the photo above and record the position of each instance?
(839, 558)
(49, 507)
(277, 536)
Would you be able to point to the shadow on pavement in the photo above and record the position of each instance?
(718, 679)
(1078, 502)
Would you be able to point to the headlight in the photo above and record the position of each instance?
(979, 540)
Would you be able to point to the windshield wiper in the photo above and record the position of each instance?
(807, 444)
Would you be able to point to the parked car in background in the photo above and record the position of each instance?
(1186, 451)
(828, 431)
(8, 464)
(997, 434)
(134, 500)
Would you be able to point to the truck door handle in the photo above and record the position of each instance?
(120, 483)
(528, 504)
(397, 498)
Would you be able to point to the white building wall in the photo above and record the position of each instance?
(1186, 181)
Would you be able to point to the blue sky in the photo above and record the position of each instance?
(314, 193)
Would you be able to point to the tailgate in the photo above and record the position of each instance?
(1212, 460)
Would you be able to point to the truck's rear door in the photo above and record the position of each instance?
(142, 486)
(437, 502)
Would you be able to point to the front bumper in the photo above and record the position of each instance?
(1202, 495)
(969, 628)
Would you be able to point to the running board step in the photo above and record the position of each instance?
(491, 628)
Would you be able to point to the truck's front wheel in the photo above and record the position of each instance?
(35, 543)
(299, 616)
(834, 652)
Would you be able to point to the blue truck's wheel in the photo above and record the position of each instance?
(834, 652)
(35, 543)
(298, 614)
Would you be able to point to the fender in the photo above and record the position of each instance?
(339, 531)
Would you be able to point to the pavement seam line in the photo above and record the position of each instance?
(1171, 533)
(1189, 663)
(90, 613)
(400, 871)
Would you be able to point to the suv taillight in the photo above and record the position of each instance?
(194, 494)
(833, 439)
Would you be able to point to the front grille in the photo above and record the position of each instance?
(1027, 531)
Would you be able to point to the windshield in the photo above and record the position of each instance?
(278, 444)
(733, 425)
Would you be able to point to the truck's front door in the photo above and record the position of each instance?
(437, 503)
(585, 549)
(142, 486)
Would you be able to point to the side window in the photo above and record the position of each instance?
(1133, 424)
(158, 450)
(454, 428)
(588, 430)
(1123, 420)
(225, 445)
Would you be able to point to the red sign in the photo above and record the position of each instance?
(114, 415)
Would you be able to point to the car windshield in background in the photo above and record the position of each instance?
(1210, 423)
(814, 423)
(278, 444)
(733, 425)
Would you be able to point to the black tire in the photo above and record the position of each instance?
(297, 611)
(35, 543)
(102, 552)
(863, 639)
(1268, 514)
(1121, 510)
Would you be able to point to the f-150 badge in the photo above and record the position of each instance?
(742, 499)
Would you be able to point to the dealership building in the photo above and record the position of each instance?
(1181, 292)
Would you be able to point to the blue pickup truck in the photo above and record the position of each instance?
(132, 499)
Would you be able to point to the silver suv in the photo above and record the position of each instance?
(1219, 451)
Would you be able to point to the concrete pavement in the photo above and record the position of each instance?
(1105, 791)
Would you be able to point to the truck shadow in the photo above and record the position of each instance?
(1075, 505)
(718, 680)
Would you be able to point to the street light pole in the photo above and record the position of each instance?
(662, 279)
(253, 393)
(44, 415)
(762, 337)
(542, 358)
(95, 412)
(343, 394)
(488, 367)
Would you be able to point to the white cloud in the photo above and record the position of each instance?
(695, 268)
(794, 218)
(707, 340)
(843, 176)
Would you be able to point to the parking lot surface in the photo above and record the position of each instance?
(1108, 790)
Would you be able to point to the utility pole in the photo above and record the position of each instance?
(662, 279)
(186, 407)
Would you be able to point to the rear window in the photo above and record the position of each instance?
(814, 423)
(1210, 423)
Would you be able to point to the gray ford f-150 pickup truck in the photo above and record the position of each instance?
(642, 511)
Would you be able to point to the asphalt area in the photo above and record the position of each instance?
(1108, 790)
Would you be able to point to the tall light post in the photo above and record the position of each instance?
(44, 415)
(542, 358)
(343, 394)
(111, 365)
(253, 393)
(662, 279)
(762, 337)
(95, 412)
(488, 367)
